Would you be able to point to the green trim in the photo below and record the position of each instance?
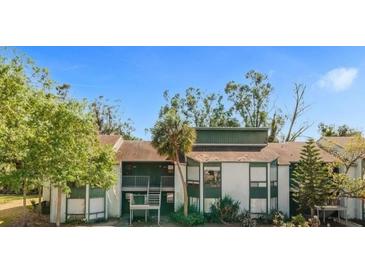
(66, 207)
(218, 164)
(105, 209)
(231, 136)
(98, 196)
(233, 128)
(192, 162)
(264, 189)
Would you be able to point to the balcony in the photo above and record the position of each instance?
(136, 182)
(143, 183)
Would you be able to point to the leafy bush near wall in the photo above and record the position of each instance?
(277, 218)
(245, 219)
(299, 220)
(194, 217)
(225, 211)
(314, 222)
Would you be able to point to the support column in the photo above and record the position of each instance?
(268, 189)
(87, 202)
(106, 196)
(201, 188)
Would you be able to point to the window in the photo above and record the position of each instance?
(193, 173)
(258, 174)
(212, 176)
(274, 203)
(258, 184)
(128, 196)
(170, 169)
(170, 198)
(258, 206)
(193, 201)
(208, 202)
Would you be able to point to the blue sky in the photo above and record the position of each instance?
(137, 76)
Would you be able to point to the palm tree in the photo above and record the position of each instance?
(172, 136)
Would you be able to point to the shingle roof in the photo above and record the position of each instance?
(286, 153)
(290, 152)
(109, 139)
(138, 151)
(264, 155)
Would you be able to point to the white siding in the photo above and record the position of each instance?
(354, 207)
(179, 191)
(113, 196)
(283, 189)
(235, 182)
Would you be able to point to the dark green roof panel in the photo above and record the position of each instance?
(231, 136)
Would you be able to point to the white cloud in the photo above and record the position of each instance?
(338, 79)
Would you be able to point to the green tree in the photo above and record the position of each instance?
(334, 131)
(251, 100)
(22, 86)
(107, 117)
(276, 125)
(172, 136)
(311, 185)
(200, 109)
(47, 137)
(74, 153)
(347, 156)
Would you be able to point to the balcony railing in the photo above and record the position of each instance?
(145, 182)
(136, 181)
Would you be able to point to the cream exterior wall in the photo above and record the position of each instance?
(53, 206)
(114, 196)
(283, 189)
(236, 182)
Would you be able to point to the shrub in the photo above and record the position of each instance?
(225, 211)
(299, 220)
(314, 222)
(246, 220)
(278, 218)
(194, 217)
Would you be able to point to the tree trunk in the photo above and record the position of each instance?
(24, 204)
(59, 203)
(39, 200)
(185, 187)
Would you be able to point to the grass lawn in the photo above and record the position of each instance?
(11, 212)
(5, 198)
